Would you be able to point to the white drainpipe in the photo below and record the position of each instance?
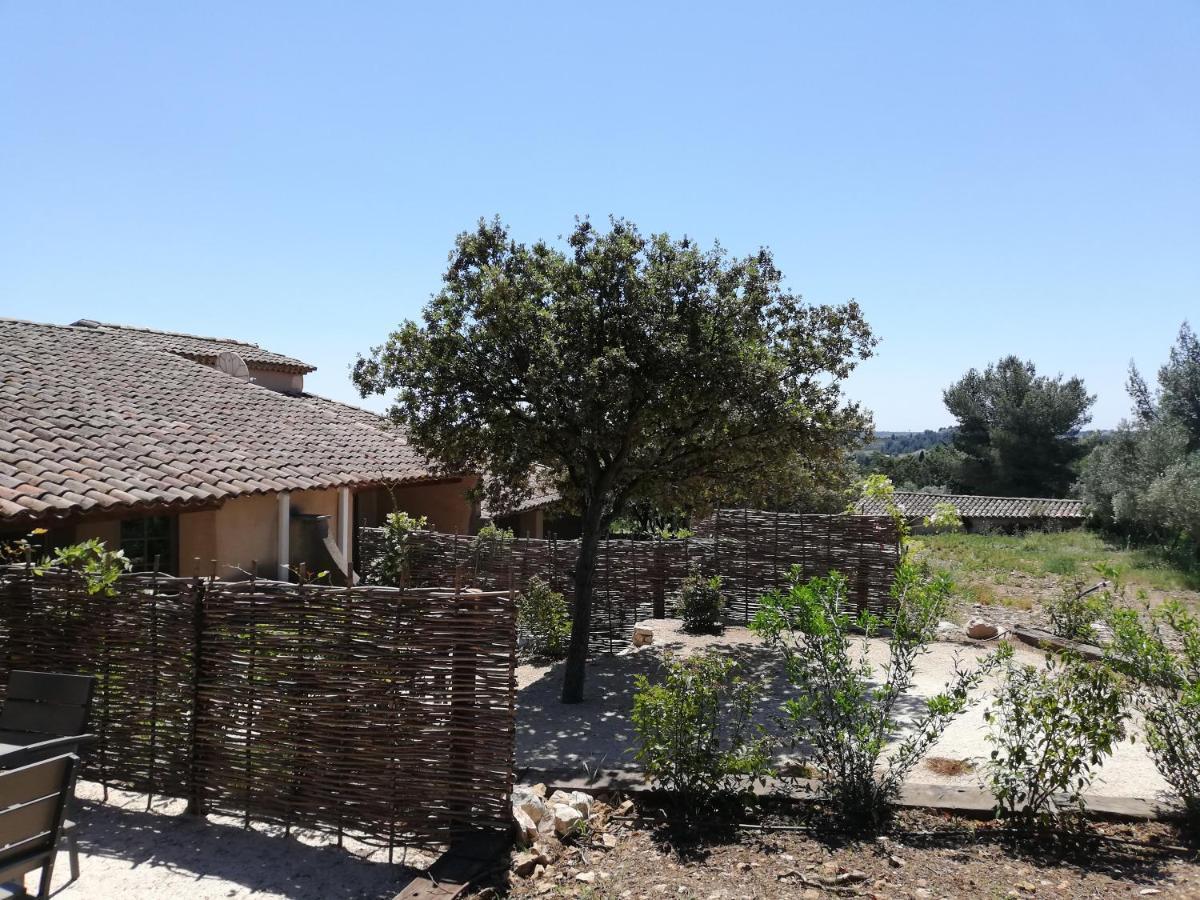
(345, 527)
(284, 549)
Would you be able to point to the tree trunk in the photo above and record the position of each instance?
(581, 621)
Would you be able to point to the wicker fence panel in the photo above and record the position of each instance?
(383, 713)
(753, 551)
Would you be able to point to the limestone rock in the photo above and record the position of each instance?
(642, 635)
(527, 830)
(566, 820)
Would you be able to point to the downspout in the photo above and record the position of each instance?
(283, 550)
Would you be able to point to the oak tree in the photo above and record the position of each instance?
(631, 368)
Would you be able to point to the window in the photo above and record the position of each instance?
(147, 539)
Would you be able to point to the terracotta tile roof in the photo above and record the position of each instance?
(201, 349)
(544, 494)
(915, 504)
(89, 424)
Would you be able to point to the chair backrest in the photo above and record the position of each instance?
(32, 801)
(46, 704)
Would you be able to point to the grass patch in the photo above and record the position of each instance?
(998, 569)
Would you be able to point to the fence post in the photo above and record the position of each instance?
(195, 805)
(462, 714)
(659, 581)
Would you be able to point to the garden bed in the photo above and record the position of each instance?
(923, 856)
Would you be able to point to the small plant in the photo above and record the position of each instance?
(944, 517)
(701, 604)
(844, 712)
(694, 730)
(1078, 609)
(400, 551)
(1162, 657)
(99, 566)
(490, 543)
(542, 614)
(1050, 728)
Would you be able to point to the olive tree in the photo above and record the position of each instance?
(632, 368)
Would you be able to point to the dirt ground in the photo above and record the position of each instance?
(926, 857)
(597, 736)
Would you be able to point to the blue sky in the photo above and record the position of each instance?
(984, 178)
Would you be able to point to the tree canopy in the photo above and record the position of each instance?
(632, 368)
(1018, 431)
(1145, 480)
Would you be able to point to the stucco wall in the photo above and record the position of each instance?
(107, 530)
(444, 503)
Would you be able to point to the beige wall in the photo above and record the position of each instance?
(444, 503)
(289, 382)
(107, 530)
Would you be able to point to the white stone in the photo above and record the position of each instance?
(981, 630)
(527, 830)
(534, 807)
(642, 635)
(559, 798)
(565, 820)
(581, 803)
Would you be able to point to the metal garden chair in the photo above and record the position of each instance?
(33, 802)
(46, 714)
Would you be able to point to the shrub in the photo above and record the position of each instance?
(99, 566)
(1162, 657)
(489, 543)
(701, 604)
(843, 712)
(399, 552)
(542, 614)
(1050, 728)
(694, 730)
(1076, 611)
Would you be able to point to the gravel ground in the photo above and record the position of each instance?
(133, 854)
(596, 735)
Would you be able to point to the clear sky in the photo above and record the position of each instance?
(985, 178)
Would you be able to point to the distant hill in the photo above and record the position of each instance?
(895, 443)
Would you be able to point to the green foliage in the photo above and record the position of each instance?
(1050, 729)
(99, 566)
(630, 367)
(1077, 610)
(695, 733)
(542, 614)
(701, 604)
(904, 443)
(935, 469)
(400, 551)
(1161, 654)
(844, 713)
(1145, 480)
(944, 517)
(489, 543)
(1018, 431)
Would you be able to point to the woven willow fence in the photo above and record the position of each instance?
(369, 711)
(752, 550)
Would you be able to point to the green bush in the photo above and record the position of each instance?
(1050, 728)
(1077, 610)
(844, 712)
(694, 730)
(542, 615)
(1162, 657)
(701, 604)
(400, 551)
(488, 544)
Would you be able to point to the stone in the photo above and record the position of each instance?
(608, 840)
(524, 863)
(527, 830)
(534, 807)
(642, 635)
(580, 802)
(981, 630)
(625, 808)
(566, 820)
(538, 790)
(559, 797)
(586, 877)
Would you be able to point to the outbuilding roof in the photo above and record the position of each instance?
(200, 349)
(968, 506)
(89, 425)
